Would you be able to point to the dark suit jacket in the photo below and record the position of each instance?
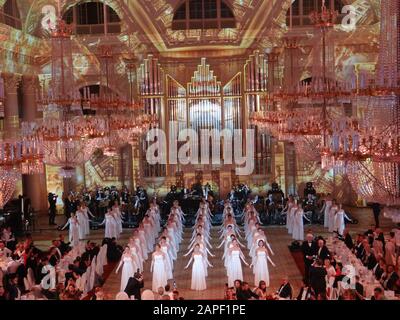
(323, 254)
(370, 261)
(348, 241)
(133, 288)
(246, 295)
(309, 250)
(378, 272)
(310, 293)
(360, 251)
(285, 291)
(317, 279)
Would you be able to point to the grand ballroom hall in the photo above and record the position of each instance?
(199, 150)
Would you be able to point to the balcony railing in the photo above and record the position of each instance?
(95, 29)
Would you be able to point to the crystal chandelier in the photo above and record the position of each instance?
(378, 176)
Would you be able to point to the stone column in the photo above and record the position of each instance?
(33, 186)
(11, 114)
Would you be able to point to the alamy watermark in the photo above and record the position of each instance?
(189, 146)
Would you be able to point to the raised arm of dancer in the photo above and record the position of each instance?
(269, 247)
(190, 261)
(119, 265)
(208, 242)
(66, 225)
(269, 259)
(208, 251)
(243, 259)
(90, 214)
(189, 252)
(152, 264)
(305, 217)
(346, 217)
(221, 244)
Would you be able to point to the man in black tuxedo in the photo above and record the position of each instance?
(306, 292)
(285, 290)
(52, 199)
(317, 277)
(322, 250)
(359, 249)
(348, 240)
(309, 249)
(376, 209)
(379, 269)
(135, 284)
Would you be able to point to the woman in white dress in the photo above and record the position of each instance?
(136, 254)
(83, 214)
(73, 224)
(298, 224)
(260, 265)
(289, 206)
(116, 211)
(168, 260)
(158, 267)
(291, 216)
(332, 213)
(129, 268)
(198, 270)
(110, 225)
(234, 264)
(326, 208)
(340, 217)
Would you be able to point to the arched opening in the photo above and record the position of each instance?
(301, 10)
(9, 14)
(203, 14)
(90, 17)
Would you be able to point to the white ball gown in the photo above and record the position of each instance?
(73, 231)
(298, 225)
(159, 272)
(328, 205)
(198, 273)
(260, 268)
(234, 268)
(129, 268)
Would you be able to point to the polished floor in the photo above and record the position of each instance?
(277, 236)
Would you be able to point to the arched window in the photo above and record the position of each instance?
(88, 18)
(9, 14)
(203, 14)
(301, 10)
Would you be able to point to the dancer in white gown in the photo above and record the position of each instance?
(116, 211)
(326, 208)
(340, 223)
(110, 225)
(298, 224)
(260, 264)
(136, 253)
(83, 214)
(234, 264)
(159, 269)
(165, 248)
(332, 212)
(286, 210)
(291, 215)
(129, 267)
(73, 224)
(198, 270)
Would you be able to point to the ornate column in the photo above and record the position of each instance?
(11, 114)
(33, 186)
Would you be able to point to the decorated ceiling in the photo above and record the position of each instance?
(146, 27)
